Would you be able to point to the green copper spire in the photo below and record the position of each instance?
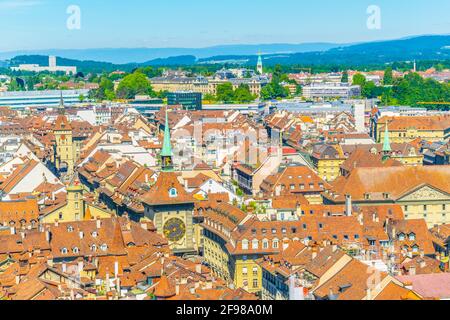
(166, 152)
(259, 66)
(387, 142)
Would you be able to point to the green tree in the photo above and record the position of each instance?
(388, 76)
(134, 84)
(105, 90)
(225, 92)
(14, 85)
(359, 79)
(344, 78)
(243, 95)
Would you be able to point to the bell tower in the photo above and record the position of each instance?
(63, 148)
(259, 66)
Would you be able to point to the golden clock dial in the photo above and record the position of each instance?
(174, 229)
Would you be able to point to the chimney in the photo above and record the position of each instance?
(422, 253)
(13, 230)
(412, 271)
(278, 190)
(64, 267)
(314, 254)
(99, 223)
(47, 235)
(348, 205)
(107, 280)
(56, 223)
(198, 268)
(334, 248)
(146, 178)
(81, 234)
(22, 235)
(116, 269)
(177, 290)
(118, 286)
(17, 279)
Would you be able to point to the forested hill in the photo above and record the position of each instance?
(424, 48)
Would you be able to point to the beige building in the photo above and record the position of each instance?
(201, 85)
(422, 191)
(407, 129)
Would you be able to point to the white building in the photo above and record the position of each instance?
(52, 67)
(331, 90)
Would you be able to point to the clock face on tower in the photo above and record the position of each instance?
(174, 229)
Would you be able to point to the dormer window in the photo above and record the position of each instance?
(104, 247)
(76, 250)
(64, 251)
(93, 248)
(244, 244)
(412, 237)
(401, 237)
(275, 244)
(69, 229)
(94, 234)
(173, 193)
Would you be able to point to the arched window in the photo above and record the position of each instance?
(64, 251)
(244, 244)
(255, 244)
(104, 247)
(93, 248)
(94, 234)
(69, 229)
(76, 250)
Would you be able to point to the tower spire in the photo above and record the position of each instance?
(61, 104)
(387, 142)
(259, 66)
(166, 152)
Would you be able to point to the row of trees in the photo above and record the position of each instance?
(410, 90)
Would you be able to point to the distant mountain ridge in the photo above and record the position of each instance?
(141, 55)
(371, 53)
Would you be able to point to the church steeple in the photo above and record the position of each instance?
(61, 107)
(166, 152)
(387, 142)
(259, 66)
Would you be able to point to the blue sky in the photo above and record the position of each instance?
(41, 24)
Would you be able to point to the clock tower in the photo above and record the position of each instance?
(169, 205)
